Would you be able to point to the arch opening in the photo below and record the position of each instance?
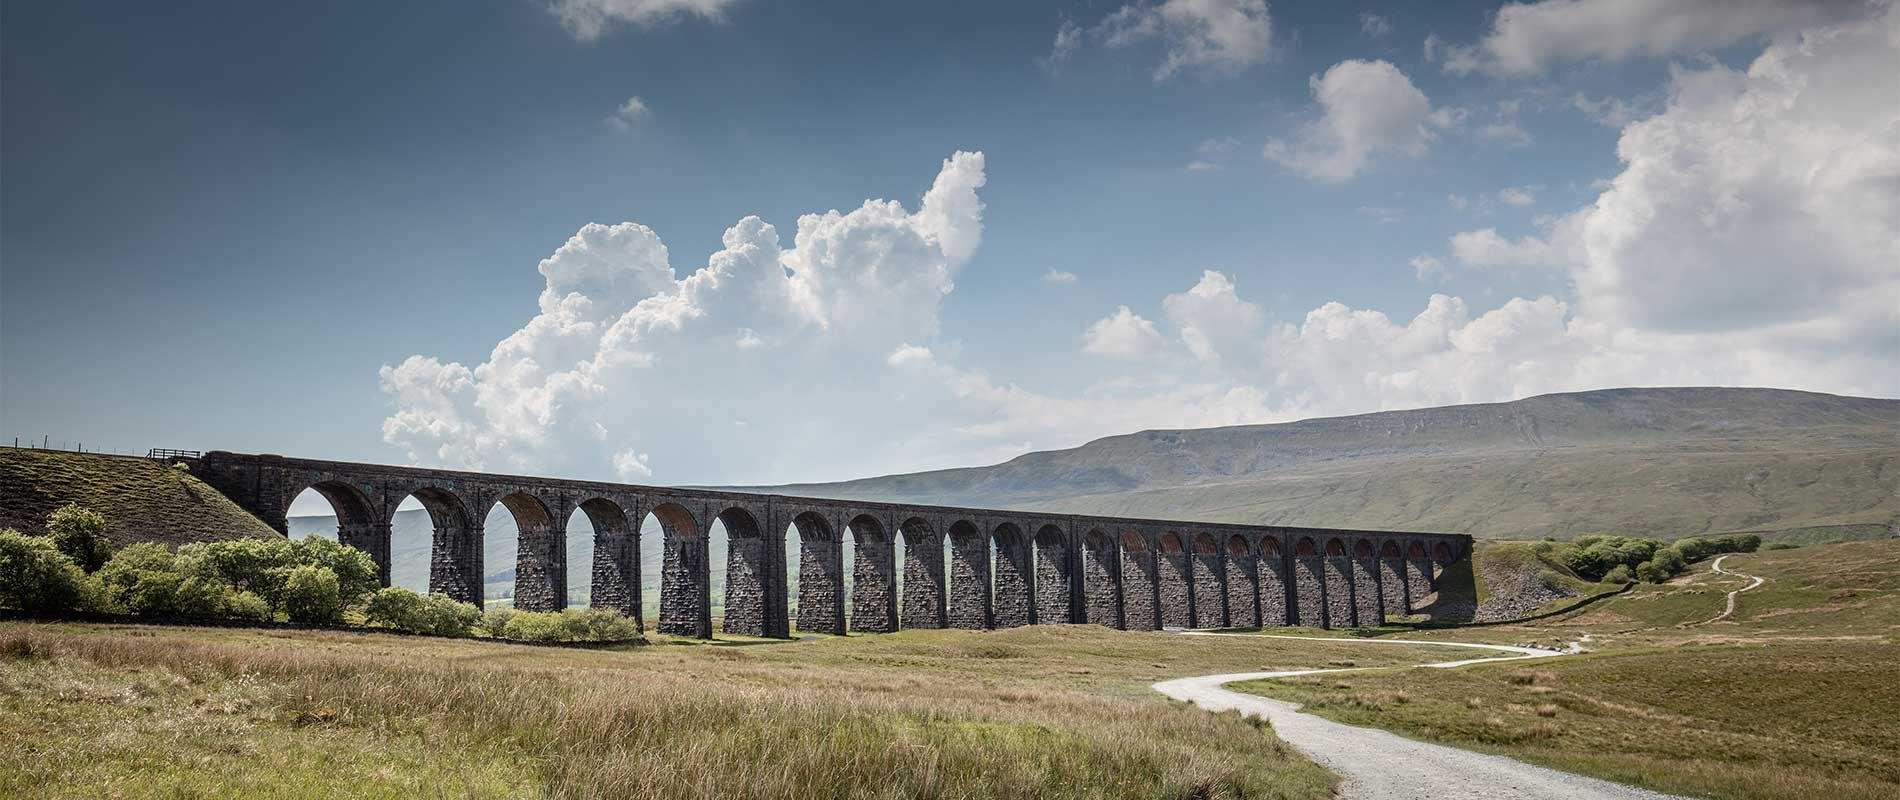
(754, 591)
(343, 513)
(454, 556)
(530, 564)
(686, 590)
(603, 558)
(819, 554)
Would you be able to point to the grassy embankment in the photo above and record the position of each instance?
(1798, 696)
(1040, 712)
(142, 500)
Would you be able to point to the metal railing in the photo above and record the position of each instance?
(168, 454)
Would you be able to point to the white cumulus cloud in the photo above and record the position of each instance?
(588, 19)
(1123, 334)
(1367, 109)
(1526, 38)
(1221, 36)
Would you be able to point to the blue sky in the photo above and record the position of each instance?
(277, 228)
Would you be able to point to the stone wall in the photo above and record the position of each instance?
(1210, 591)
(1011, 597)
(874, 586)
(1273, 608)
(685, 588)
(821, 586)
(1243, 601)
(1138, 589)
(1339, 606)
(969, 606)
(746, 600)
(1054, 584)
(1176, 597)
(1309, 588)
(1419, 580)
(1100, 586)
(923, 583)
(1367, 598)
(1392, 584)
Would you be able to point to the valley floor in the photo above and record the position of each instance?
(1796, 695)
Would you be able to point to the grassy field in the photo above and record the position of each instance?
(99, 711)
(1797, 696)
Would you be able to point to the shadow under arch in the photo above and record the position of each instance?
(685, 575)
(924, 598)
(1011, 566)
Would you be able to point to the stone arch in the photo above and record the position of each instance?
(540, 553)
(1362, 549)
(923, 590)
(873, 576)
(1101, 594)
(1172, 574)
(1419, 575)
(685, 575)
(1390, 549)
(820, 574)
(1304, 547)
(755, 584)
(969, 604)
(455, 552)
(1055, 577)
(357, 523)
(615, 568)
(1415, 550)
(1368, 596)
(1011, 592)
(1392, 585)
(1209, 574)
(1442, 553)
(1335, 547)
(1139, 610)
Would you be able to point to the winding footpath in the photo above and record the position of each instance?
(1379, 765)
(1730, 611)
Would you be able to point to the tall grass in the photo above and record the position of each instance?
(591, 727)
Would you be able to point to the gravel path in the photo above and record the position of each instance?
(1730, 611)
(1378, 765)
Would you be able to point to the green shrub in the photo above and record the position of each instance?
(401, 609)
(591, 625)
(145, 578)
(245, 605)
(1779, 546)
(1620, 574)
(1698, 548)
(262, 566)
(1592, 557)
(80, 533)
(355, 572)
(36, 576)
(311, 595)
(494, 621)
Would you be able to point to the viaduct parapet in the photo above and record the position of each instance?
(962, 567)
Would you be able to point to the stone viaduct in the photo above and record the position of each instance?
(963, 567)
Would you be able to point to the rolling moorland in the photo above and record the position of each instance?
(1663, 463)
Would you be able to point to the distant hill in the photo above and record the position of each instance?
(142, 500)
(1651, 462)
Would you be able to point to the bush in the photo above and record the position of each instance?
(591, 625)
(311, 595)
(494, 621)
(1699, 548)
(1592, 557)
(1620, 574)
(145, 579)
(36, 576)
(245, 605)
(80, 533)
(400, 609)
(1648, 572)
(262, 566)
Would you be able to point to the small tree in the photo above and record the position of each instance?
(1621, 573)
(36, 576)
(80, 533)
(146, 578)
(311, 595)
(355, 572)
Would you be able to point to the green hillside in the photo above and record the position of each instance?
(1664, 463)
(142, 500)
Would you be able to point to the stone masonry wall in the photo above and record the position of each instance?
(540, 568)
(1012, 587)
(1272, 591)
(1138, 590)
(923, 585)
(969, 606)
(1100, 587)
(685, 588)
(821, 586)
(874, 587)
(1309, 587)
(1392, 583)
(1418, 580)
(745, 586)
(1210, 591)
(1243, 602)
(1339, 606)
(616, 571)
(1176, 597)
(1368, 599)
(1053, 584)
